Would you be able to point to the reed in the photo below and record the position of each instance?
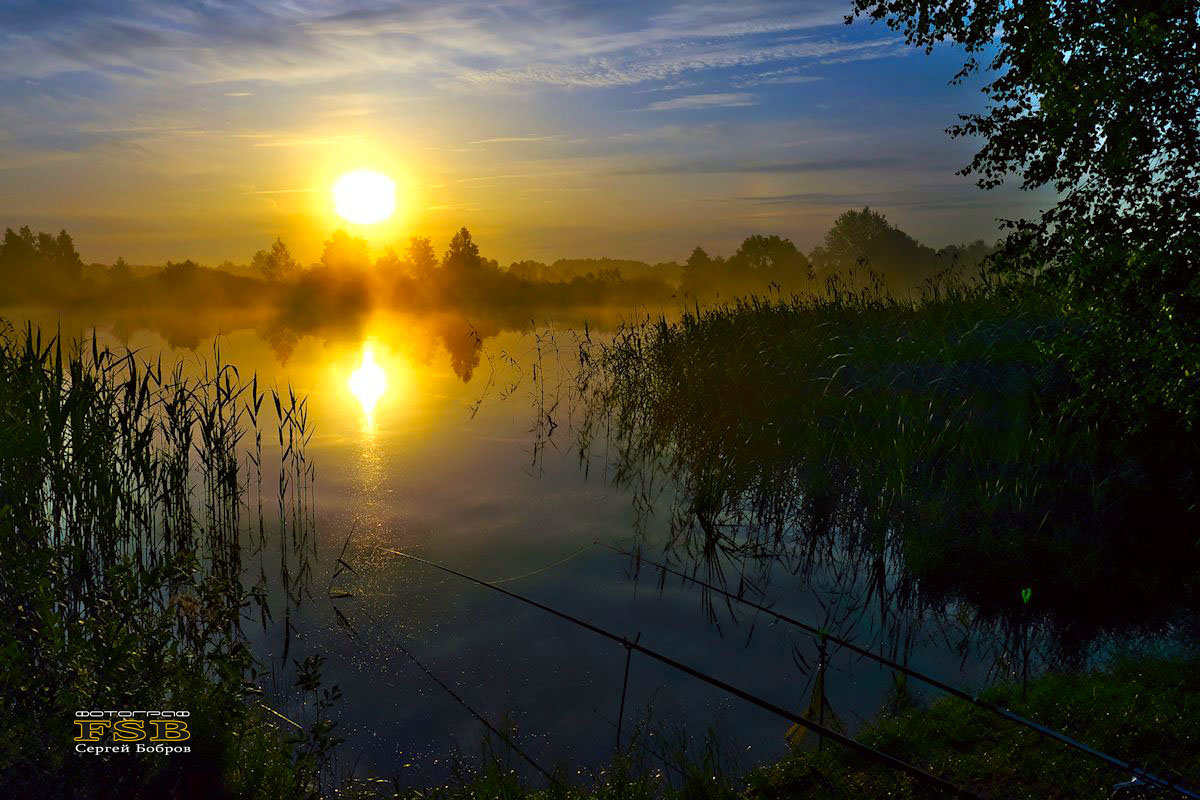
(924, 449)
(127, 533)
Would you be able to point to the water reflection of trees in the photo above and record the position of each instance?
(420, 336)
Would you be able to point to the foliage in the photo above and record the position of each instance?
(120, 271)
(771, 257)
(462, 254)
(122, 535)
(421, 256)
(1100, 102)
(179, 274)
(30, 263)
(343, 252)
(760, 264)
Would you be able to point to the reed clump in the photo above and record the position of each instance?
(130, 521)
(933, 438)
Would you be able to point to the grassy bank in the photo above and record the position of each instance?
(1146, 710)
(126, 530)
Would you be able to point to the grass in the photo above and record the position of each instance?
(128, 525)
(1145, 709)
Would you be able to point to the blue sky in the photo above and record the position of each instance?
(162, 130)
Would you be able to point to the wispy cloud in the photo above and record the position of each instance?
(478, 102)
(671, 62)
(722, 165)
(776, 77)
(306, 190)
(696, 101)
(540, 41)
(532, 137)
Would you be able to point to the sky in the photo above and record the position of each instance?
(159, 130)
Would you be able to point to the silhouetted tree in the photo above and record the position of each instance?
(346, 253)
(19, 249)
(965, 257)
(771, 257)
(120, 271)
(531, 271)
(390, 265)
(421, 256)
(38, 264)
(66, 258)
(859, 240)
(1099, 100)
(276, 264)
(179, 273)
(698, 272)
(463, 254)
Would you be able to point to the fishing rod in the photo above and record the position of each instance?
(742, 694)
(1127, 766)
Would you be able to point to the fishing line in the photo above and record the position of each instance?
(540, 570)
(482, 720)
(984, 704)
(742, 694)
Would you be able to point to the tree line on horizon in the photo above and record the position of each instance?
(41, 266)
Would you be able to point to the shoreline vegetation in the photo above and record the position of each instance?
(131, 514)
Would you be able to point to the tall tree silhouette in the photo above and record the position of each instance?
(422, 256)
(763, 260)
(865, 239)
(463, 254)
(276, 264)
(698, 272)
(33, 263)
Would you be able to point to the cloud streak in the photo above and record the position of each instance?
(702, 101)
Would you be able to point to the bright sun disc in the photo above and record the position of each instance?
(364, 197)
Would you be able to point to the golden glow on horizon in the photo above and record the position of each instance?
(364, 197)
(368, 383)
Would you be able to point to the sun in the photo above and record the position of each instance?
(364, 197)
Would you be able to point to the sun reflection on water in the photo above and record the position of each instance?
(368, 383)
